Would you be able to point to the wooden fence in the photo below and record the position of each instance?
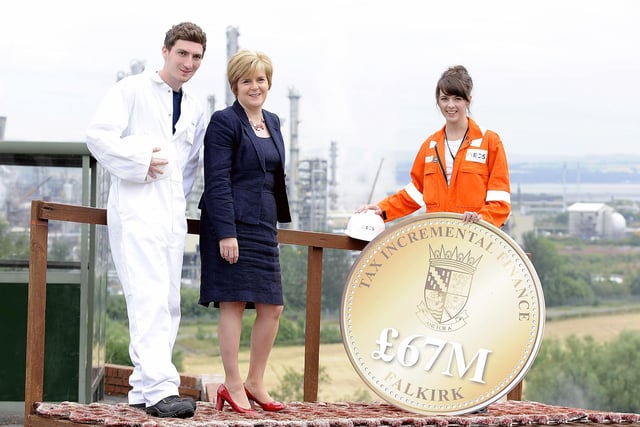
(43, 212)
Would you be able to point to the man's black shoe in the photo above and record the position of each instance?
(173, 407)
(137, 405)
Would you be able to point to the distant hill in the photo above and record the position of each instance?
(527, 169)
(611, 170)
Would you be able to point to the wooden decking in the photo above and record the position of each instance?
(319, 414)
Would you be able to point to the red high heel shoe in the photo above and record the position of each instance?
(223, 395)
(272, 406)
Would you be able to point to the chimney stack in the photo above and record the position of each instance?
(3, 124)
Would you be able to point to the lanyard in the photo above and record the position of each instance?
(446, 140)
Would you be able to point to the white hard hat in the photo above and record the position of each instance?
(365, 225)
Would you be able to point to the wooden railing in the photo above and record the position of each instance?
(43, 212)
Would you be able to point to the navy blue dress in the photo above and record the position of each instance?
(256, 277)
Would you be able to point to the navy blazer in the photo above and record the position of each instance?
(234, 171)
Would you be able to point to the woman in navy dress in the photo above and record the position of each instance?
(244, 198)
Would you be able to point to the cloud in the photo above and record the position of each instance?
(550, 77)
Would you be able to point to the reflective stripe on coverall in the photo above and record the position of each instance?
(479, 181)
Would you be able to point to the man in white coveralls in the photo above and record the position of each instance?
(147, 132)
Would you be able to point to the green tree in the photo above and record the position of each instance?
(585, 374)
(293, 263)
(634, 283)
(117, 347)
(570, 287)
(13, 245)
(335, 269)
(291, 386)
(189, 306)
(619, 375)
(330, 333)
(117, 334)
(60, 250)
(547, 263)
(560, 284)
(560, 375)
(117, 308)
(290, 332)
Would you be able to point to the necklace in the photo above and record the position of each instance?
(446, 140)
(258, 127)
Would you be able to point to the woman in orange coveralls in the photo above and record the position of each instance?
(461, 168)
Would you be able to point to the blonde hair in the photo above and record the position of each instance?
(247, 63)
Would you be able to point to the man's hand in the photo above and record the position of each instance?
(156, 167)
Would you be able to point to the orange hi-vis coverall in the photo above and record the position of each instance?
(479, 180)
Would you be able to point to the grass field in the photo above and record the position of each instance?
(346, 383)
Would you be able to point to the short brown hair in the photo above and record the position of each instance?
(185, 31)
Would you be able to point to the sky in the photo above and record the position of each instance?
(554, 78)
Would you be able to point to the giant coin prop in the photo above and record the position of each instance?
(442, 317)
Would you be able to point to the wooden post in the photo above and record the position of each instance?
(36, 309)
(516, 392)
(312, 327)
(315, 243)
